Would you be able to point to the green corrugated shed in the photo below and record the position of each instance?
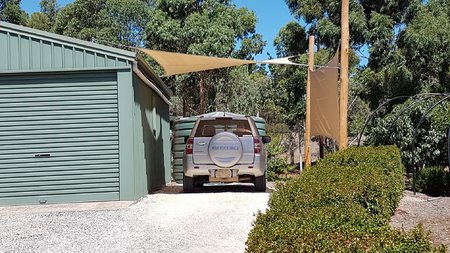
(78, 121)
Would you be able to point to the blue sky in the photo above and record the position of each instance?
(272, 15)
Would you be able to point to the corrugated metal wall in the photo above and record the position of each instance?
(58, 138)
(22, 52)
(151, 139)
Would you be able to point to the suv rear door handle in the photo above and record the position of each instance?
(201, 143)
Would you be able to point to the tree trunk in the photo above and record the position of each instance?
(291, 156)
(321, 146)
(184, 107)
(206, 87)
(201, 94)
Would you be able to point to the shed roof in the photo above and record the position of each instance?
(34, 38)
(68, 41)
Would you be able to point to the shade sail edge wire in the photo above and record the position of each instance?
(296, 64)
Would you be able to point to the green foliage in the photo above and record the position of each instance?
(289, 82)
(358, 108)
(211, 27)
(11, 12)
(324, 17)
(50, 8)
(276, 162)
(397, 9)
(380, 37)
(129, 20)
(45, 19)
(107, 21)
(425, 43)
(241, 92)
(409, 54)
(398, 127)
(291, 40)
(342, 204)
(40, 21)
(434, 181)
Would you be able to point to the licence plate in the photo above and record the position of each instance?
(225, 173)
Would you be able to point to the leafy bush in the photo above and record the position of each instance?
(397, 127)
(276, 149)
(342, 204)
(275, 163)
(434, 181)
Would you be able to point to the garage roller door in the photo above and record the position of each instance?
(58, 138)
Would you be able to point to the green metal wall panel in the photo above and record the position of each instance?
(164, 112)
(127, 163)
(25, 52)
(59, 139)
(151, 139)
(4, 44)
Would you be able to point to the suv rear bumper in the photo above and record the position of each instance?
(256, 169)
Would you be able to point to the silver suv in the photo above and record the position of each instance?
(225, 149)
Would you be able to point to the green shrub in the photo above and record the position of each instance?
(276, 163)
(397, 128)
(433, 181)
(342, 204)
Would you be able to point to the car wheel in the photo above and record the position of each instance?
(260, 183)
(188, 184)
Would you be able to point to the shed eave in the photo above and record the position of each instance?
(149, 71)
(38, 34)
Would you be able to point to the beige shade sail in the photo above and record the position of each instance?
(176, 63)
(325, 100)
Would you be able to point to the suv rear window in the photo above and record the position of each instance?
(211, 127)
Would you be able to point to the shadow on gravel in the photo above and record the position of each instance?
(210, 188)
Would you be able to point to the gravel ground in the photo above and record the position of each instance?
(433, 213)
(216, 220)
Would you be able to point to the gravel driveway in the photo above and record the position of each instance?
(211, 221)
(433, 213)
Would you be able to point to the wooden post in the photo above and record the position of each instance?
(300, 145)
(308, 103)
(343, 99)
(321, 138)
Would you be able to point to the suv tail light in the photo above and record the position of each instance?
(189, 144)
(257, 143)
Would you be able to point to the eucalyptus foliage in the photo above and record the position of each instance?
(11, 12)
(400, 127)
(209, 27)
(109, 22)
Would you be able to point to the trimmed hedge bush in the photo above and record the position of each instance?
(434, 181)
(342, 204)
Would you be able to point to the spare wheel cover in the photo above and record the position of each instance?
(225, 149)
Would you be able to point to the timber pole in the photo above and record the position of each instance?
(343, 99)
(321, 138)
(308, 103)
